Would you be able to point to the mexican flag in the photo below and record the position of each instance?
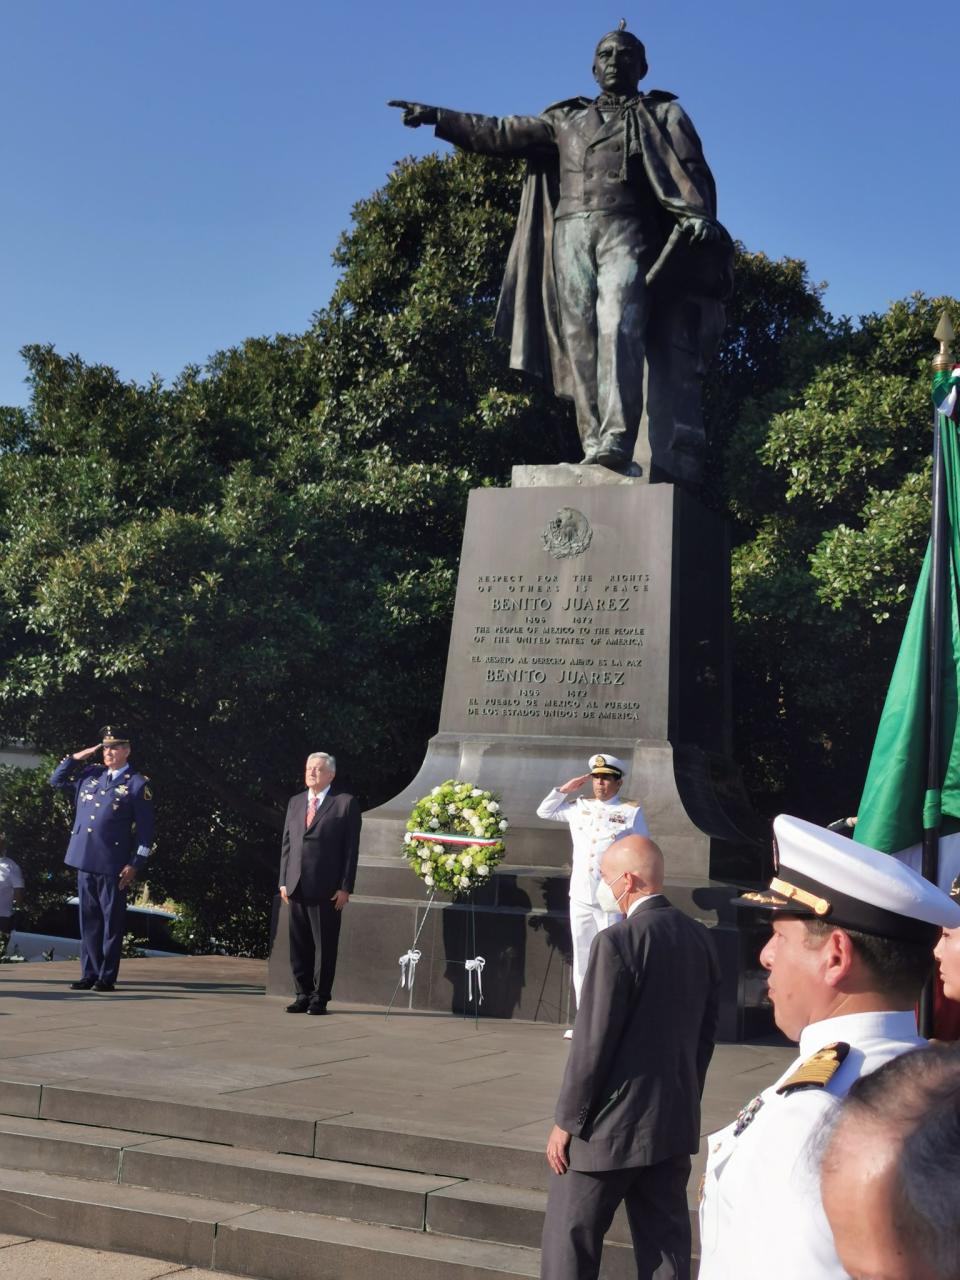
(897, 806)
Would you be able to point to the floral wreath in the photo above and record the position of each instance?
(455, 837)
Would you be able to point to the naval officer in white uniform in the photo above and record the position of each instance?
(853, 932)
(594, 825)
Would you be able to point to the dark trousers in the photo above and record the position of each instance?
(103, 906)
(314, 937)
(580, 1208)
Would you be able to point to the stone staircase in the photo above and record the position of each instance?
(259, 1192)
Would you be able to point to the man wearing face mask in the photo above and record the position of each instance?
(594, 825)
(628, 1115)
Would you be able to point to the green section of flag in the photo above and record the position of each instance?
(896, 805)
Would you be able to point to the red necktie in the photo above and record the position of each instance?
(311, 809)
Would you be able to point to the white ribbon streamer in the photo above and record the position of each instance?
(408, 968)
(472, 967)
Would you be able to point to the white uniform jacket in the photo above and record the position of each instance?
(594, 825)
(760, 1208)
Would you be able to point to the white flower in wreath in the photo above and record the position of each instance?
(466, 861)
(434, 808)
(437, 848)
(450, 863)
(483, 869)
(408, 838)
(428, 880)
(503, 824)
(451, 808)
(492, 806)
(476, 792)
(436, 791)
(464, 882)
(434, 823)
(468, 814)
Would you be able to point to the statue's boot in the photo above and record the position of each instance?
(622, 462)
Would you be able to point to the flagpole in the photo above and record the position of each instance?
(930, 857)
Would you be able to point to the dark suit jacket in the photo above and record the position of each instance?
(321, 858)
(642, 1041)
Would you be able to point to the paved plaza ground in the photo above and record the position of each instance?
(201, 1030)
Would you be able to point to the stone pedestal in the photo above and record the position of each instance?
(591, 615)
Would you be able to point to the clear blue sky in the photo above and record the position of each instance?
(176, 173)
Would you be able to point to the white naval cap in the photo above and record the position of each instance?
(826, 876)
(605, 766)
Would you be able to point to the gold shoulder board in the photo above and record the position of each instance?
(818, 1070)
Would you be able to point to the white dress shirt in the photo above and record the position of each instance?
(760, 1211)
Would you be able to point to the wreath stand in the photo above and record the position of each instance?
(473, 967)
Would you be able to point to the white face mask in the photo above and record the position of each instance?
(607, 900)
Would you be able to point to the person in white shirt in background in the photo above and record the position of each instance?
(595, 822)
(11, 888)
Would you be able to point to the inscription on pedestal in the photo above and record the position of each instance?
(561, 623)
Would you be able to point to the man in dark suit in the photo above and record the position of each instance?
(628, 1115)
(318, 865)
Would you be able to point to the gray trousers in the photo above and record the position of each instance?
(580, 1209)
(600, 262)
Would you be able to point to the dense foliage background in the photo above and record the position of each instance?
(260, 559)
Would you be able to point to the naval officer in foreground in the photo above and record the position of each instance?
(595, 822)
(110, 842)
(853, 935)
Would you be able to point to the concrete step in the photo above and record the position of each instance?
(354, 1139)
(362, 1193)
(102, 1215)
(215, 1179)
(260, 1128)
(293, 1246)
(242, 1238)
(69, 1150)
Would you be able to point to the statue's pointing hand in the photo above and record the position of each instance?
(415, 113)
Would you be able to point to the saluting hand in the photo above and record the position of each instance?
(574, 784)
(86, 752)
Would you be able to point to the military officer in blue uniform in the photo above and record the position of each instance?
(109, 844)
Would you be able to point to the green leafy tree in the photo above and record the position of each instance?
(834, 487)
(260, 559)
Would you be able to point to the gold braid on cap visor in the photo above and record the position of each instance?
(819, 906)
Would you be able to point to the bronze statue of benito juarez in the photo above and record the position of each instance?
(619, 267)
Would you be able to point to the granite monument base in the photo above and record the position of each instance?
(590, 616)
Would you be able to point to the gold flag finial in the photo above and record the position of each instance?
(944, 335)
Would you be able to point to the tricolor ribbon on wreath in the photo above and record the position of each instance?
(447, 837)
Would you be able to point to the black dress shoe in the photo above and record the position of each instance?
(104, 986)
(84, 984)
(300, 1005)
(317, 1007)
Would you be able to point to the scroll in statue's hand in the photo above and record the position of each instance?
(414, 113)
